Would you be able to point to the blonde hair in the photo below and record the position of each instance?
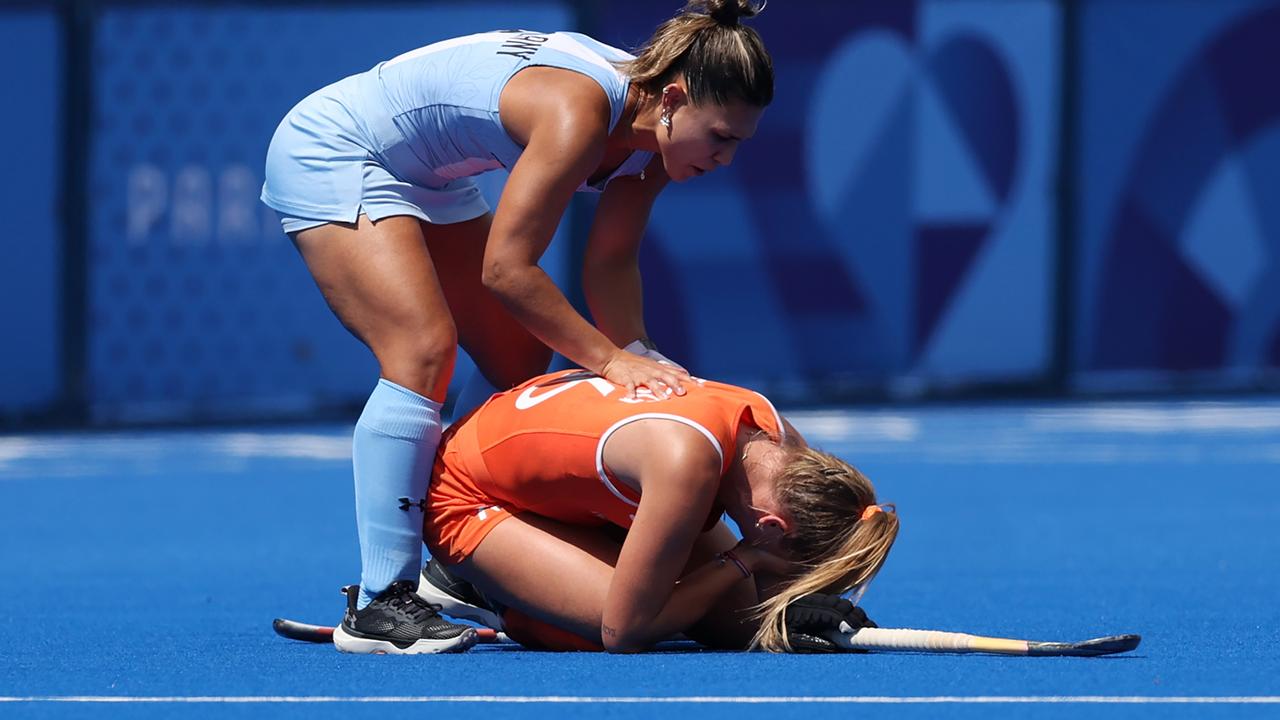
(824, 497)
(721, 59)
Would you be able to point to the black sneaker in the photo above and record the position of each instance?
(456, 597)
(398, 622)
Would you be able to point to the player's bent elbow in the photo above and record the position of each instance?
(500, 278)
(615, 649)
(623, 646)
(492, 275)
(619, 640)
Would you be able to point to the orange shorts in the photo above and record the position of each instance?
(458, 518)
(459, 515)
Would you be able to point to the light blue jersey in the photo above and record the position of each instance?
(405, 136)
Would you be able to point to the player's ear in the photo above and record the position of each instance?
(774, 524)
(673, 96)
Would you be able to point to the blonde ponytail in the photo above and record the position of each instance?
(841, 544)
(720, 58)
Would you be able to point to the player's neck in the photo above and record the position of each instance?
(638, 129)
(747, 488)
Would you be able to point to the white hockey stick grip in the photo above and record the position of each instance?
(932, 641)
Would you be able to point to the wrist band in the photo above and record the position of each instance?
(728, 555)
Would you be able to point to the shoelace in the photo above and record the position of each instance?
(414, 605)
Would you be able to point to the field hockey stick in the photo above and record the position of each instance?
(939, 641)
(295, 630)
(872, 639)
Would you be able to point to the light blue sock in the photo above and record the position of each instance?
(474, 392)
(392, 452)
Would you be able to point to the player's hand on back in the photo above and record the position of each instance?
(632, 371)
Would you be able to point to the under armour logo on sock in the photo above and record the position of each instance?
(405, 504)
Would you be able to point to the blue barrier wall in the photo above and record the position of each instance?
(892, 227)
(199, 306)
(891, 224)
(1179, 249)
(30, 225)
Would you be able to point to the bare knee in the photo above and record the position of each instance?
(420, 359)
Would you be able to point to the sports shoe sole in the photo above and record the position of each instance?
(455, 608)
(348, 643)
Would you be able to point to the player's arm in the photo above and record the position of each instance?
(644, 604)
(562, 121)
(611, 265)
(564, 142)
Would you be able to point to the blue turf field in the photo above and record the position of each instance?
(149, 565)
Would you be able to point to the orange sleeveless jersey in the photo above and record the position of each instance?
(539, 448)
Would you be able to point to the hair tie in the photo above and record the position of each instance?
(870, 510)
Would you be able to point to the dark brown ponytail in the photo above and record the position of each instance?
(721, 59)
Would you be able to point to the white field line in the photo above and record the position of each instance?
(691, 699)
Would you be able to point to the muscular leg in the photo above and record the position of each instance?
(560, 574)
(530, 563)
(379, 279)
(505, 353)
(381, 282)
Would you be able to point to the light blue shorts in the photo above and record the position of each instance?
(322, 167)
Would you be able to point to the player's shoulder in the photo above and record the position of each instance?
(562, 106)
(737, 401)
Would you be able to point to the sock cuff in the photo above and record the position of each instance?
(398, 412)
